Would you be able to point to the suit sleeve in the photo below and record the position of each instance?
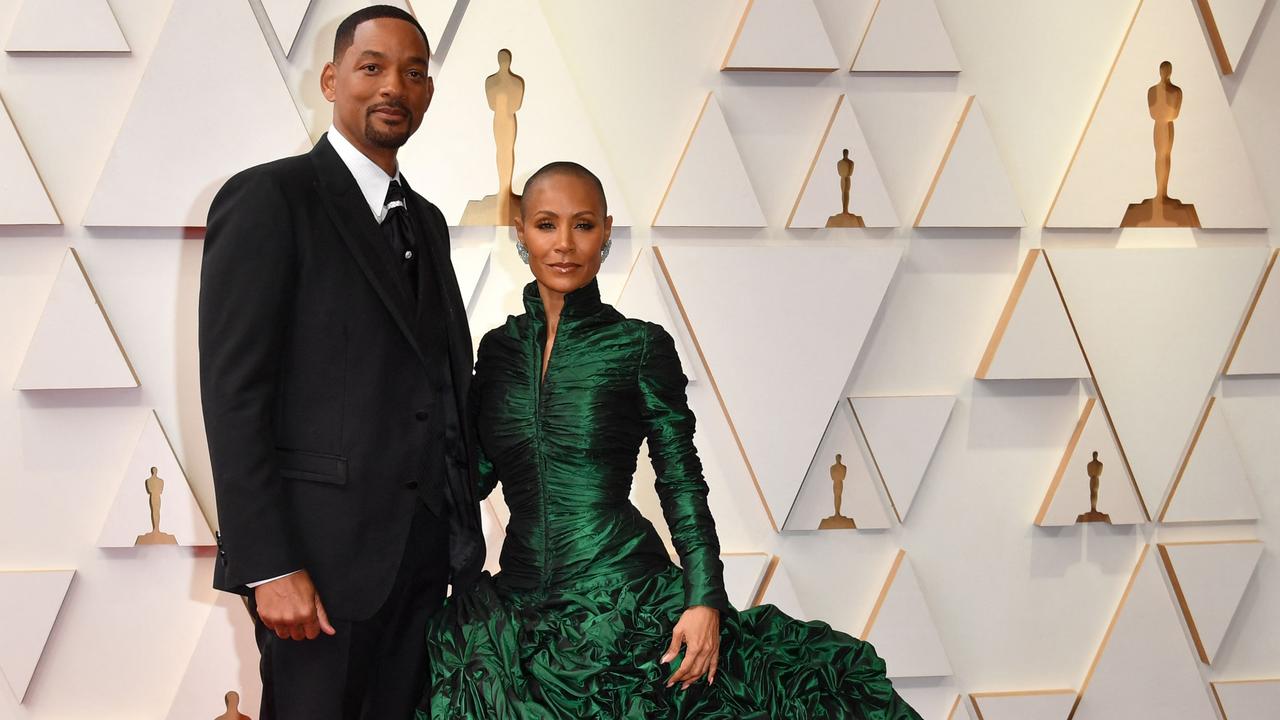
(487, 478)
(681, 489)
(247, 283)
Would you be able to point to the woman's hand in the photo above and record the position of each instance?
(699, 631)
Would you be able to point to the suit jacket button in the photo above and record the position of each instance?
(411, 484)
(421, 415)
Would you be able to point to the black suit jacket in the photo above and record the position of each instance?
(315, 372)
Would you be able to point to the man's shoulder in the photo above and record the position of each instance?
(283, 172)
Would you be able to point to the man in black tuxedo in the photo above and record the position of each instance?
(334, 363)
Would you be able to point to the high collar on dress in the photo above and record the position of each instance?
(583, 302)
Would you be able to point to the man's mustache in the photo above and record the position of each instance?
(390, 104)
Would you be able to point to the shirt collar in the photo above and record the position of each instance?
(372, 180)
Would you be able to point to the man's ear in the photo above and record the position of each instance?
(328, 78)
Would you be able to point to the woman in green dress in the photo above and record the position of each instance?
(588, 617)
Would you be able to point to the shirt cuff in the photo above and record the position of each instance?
(264, 582)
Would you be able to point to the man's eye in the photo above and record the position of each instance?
(370, 68)
(415, 74)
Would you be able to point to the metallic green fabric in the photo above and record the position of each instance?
(575, 623)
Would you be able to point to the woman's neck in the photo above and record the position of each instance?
(552, 305)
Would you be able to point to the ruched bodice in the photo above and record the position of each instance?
(574, 624)
(564, 446)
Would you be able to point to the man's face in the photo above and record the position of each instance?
(379, 87)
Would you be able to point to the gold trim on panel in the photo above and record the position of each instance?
(1186, 459)
(764, 581)
(1218, 700)
(955, 705)
(683, 152)
(742, 23)
(1093, 377)
(27, 151)
(1080, 143)
(884, 593)
(1111, 626)
(973, 697)
(1215, 37)
(865, 32)
(816, 154)
(997, 335)
(872, 452)
(105, 317)
(1065, 461)
(946, 155)
(1244, 326)
(693, 335)
(1183, 605)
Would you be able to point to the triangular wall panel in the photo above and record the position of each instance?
(743, 574)
(1113, 165)
(434, 15)
(821, 196)
(74, 345)
(1209, 579)
(66, 26)
(225, 660)
(1068, 494)
(286, 17)
(1212, 484)
(552, 122)
(901, 627)
(646, 296)
(1247, 699)
(469, 265)
(128, 522)
(902, 433)
(778, 426)
(1024, 705)
(169, 110)
(1230, 24)
(1033, 338)
(23, 198)
(29, 605)
(1156, 326)
(710, 186)
(1257, 350)
(861, 500)
(1144, 667)
(971, 187)
(777, 590)
(906, 36)
(781, 35)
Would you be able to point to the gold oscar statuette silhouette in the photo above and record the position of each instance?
(505, 91)
(1164, 100)
(232, 699)
(837, 521)
(1095, 479)
(844, 218)
(155, 488)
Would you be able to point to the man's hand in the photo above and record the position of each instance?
(290, 607)
(699, 631)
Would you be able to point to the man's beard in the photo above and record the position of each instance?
(388, 140)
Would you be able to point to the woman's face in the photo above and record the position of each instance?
(564, 227)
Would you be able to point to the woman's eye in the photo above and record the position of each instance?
(544, 225)
(584, 226)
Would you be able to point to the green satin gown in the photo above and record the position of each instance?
(577, 620)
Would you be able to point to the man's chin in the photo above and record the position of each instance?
(387, 139)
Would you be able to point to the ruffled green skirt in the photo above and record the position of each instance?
(595, 654)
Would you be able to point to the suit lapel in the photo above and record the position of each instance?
(359, 230)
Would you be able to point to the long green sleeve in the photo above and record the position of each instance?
(681, 488)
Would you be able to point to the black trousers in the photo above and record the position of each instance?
(374, 669)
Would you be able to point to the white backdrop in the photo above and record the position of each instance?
(1016, 607)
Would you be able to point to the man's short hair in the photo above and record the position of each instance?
(346, 34)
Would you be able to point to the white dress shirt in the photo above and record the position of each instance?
(373, 182)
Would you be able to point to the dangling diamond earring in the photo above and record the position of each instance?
(604, 251)
(523, 252)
